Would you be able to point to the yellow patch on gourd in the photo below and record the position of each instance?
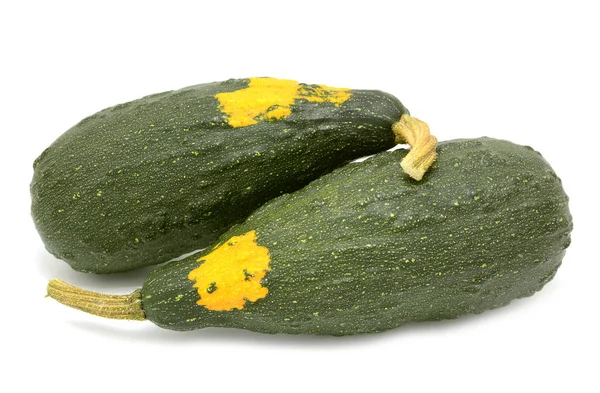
(230, 275)
(269, 99)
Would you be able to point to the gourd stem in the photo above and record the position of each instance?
(422, 145)
(103, 305)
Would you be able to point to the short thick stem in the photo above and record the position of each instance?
(422, 145)
(107, 306)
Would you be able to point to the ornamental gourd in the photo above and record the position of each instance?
(146, 181)
(366, 249)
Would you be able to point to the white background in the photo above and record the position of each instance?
(524, 71)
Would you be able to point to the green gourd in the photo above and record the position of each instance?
(147, 181)
(366, 248)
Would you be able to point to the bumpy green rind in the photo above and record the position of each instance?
(366, 249)
(149, 180)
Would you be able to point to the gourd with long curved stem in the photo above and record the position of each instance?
(366, 248)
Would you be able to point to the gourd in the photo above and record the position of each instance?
(147, 181)
(366, 249)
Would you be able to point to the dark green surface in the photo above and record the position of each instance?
(146, 181)
(366, 249)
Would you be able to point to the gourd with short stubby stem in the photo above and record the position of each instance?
(149, 180)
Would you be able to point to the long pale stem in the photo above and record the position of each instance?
(422, 145)
(103, 305)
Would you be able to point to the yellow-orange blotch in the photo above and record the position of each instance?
(230, 275)
(269, 99)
